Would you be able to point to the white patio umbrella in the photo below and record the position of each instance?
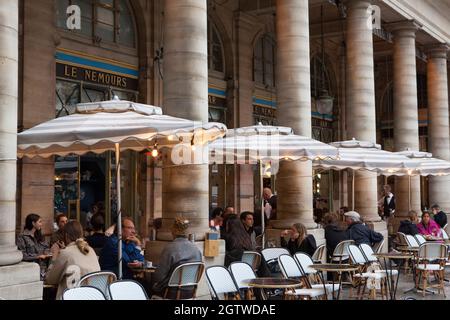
(368, 156)
(113, 125)
(260, 143)
(427, 166)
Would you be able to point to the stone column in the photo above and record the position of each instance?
(360, 99)
(406, 121)
(9, 56)
(17, 280)
(438, 115)
(185, 188)
(295, 190)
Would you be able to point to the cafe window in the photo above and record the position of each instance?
(215, 50)
(264, 61)
(102, 20)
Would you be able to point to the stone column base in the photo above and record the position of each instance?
(154, 249)
(21, 282)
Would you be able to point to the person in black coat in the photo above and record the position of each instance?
(359, 232)
(439, 216)
(335, 231)
(409, 226)
(299, 240)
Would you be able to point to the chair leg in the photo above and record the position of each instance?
(425, 281)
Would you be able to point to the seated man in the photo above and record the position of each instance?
(409, 226)
(359, 232)
(439, 216)
(131, 251)
(177, 252)
(61, 220)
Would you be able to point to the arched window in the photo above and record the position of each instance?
(264, 61)
(215, 50)
(102, 20)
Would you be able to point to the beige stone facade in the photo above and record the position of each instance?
(231, 61)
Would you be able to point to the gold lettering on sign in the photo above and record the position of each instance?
(87, 75)
(70, 72)
(94, 76)
(124, 82)
(101, 77)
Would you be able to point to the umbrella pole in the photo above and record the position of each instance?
(353, 190)
(119, 212)
(263, 225)
(409, 192)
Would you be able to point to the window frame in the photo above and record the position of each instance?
(266, 38)
(94, 22)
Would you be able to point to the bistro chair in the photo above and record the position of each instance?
(319, 254)
(340, 253)
(83, 293)
(420, 239)
(127, 290)
(363, 277)
(99, 280)
(253, 258)
(377, 247)
(291, 270)
(241, 271)
(304, 263)
(221, 284)
(431, 259)
(184, 277)
(411, 241)
(271, 255)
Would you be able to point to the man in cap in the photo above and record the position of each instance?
(358, 231)
(175, 253)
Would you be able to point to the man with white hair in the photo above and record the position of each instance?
(359, 232)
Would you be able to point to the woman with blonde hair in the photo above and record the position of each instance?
(299, 240)
(75, 255)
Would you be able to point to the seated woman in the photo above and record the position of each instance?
(77, 255)
(299, 240)
(428, 227)
(31, 242)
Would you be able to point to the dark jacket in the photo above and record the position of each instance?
(387, 207)
(97, 241)
(308, 245)
(30, 247)
(407, 227)
(333, 236)
(440, 218)
(109, 256)
(361, 233)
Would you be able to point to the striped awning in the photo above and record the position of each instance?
(97, 127)
(427, 165)
(248, 145)
(362, 155)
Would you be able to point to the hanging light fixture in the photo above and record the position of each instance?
(324, 101)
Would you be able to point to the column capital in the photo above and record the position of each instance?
(439, 50)
(404, 28)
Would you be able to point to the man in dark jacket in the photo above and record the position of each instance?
(359, 232)
(409, 226)
(335, 232)
(439, 216)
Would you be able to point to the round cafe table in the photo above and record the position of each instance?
(390, 256)
(272, 283)
(331, 267)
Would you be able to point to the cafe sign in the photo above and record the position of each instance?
(76, 66)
